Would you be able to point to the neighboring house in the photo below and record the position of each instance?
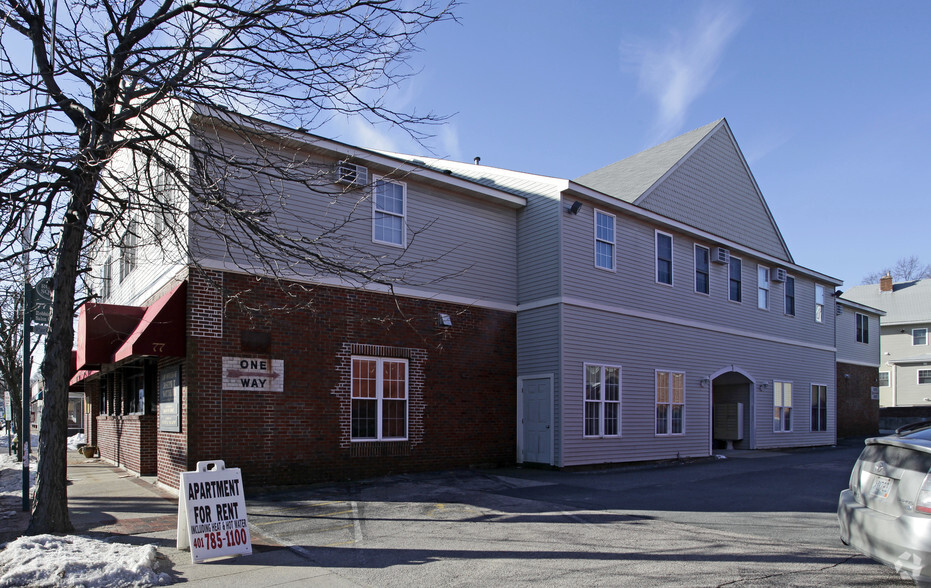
(905, 373)
(649, 310)
(858, 361)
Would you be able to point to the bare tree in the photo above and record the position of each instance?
(83, 116)
(904, 270)
(11, 364)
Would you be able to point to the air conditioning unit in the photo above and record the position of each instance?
(351, 174)
(720, 255)
(779, 275)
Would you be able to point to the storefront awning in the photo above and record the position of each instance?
(102, 329)
(160, 333)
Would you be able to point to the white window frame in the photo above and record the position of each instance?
(819, 303)
(819, 408)
(379, 396)
(656, 258)
(128, 245)
(611, 244)
(780, 408)
(928, 377)
(106, 277)
(669, 404)
(740, 281)
(762, 285)
(880, 381)
(376, 212)
(707, 272)
(600, 402)
(787, 296)
(915, 331)
(863, 328)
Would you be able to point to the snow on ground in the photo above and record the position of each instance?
(67, 560)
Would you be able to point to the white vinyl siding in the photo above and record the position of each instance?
(389, 206)
(702, 270)
(670, 403)
(782, 406)
(762, 284)
(604, 240)
(602, 400)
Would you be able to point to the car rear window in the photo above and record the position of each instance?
(899, 457)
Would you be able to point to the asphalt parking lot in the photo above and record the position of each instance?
(752, 519)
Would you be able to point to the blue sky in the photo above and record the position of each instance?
(830, 102)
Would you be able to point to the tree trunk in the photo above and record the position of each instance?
(50, 503)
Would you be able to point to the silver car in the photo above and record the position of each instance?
(886, 511)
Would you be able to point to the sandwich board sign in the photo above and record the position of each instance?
(212, 512)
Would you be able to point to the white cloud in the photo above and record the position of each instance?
(677, 70)
(448, 137)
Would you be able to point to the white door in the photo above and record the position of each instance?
(537, 420)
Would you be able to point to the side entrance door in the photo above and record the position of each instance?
(537, 420)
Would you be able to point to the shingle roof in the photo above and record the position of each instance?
(629, 178)
(908, 302)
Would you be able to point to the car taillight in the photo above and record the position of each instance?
(923, 501)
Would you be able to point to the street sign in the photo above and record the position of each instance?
(41, 305)
(212, 512)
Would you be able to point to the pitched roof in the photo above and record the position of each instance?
(631, 178)
(908, 302)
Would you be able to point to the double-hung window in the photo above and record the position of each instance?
(819, 303)
(883, 378)
(863, 328)
(602, 400)
(790, 295)
(924, 376)
(819, 407)
(782, 406)
(379, 398)
(663, 258)
(734, 280)
(128, 251)
(388, 212)
(604, 240)
(762, 299)
(106, 278)
(919, 336)
(702, 269)
(670, 403)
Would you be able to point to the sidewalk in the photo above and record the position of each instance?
(105, 501)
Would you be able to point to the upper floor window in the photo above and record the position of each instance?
(919, 336)
(663, 258)
(389, 205)
(819, 303)
(734, 279)
(106, 278)
(883, 378)
(602, 400)
(762, 300)
(604, 240)
(670, 403)
(128, 251)
(790, 295)
(782, 406)
(379, 398)
(702, 269)
(863, 328)
(161, 202)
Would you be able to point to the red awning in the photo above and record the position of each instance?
(102, 329)
(161, 330)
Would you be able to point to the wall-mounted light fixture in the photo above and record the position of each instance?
(763, 387)
(575, 207)
(443, 320)
(704, 382)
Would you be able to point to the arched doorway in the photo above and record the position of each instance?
(732, 401)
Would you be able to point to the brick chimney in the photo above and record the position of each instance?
(885, 283)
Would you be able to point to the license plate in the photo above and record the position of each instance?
(882, 487)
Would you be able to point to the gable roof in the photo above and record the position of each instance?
(700, 178)
(907, 303)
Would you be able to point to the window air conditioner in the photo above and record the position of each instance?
(779, 275)
(351, 174)
(720, 255)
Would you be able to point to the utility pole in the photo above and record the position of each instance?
(36, 307)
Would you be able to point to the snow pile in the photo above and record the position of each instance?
(75, 440)
(11, 479)
(50, 560)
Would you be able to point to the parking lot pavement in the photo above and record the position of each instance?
(766, 521)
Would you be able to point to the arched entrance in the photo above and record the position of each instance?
(732, 401)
